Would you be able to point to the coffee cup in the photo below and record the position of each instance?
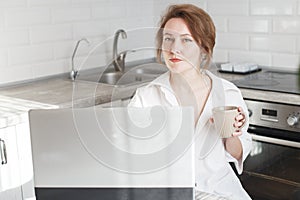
(224, 119)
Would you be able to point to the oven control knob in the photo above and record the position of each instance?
(292, 120)
(250, 112)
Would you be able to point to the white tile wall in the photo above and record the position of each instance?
(35, 35)
(30, 54)
(13, 74)
(3, 59)
(50, 68)
(263, 58)
(285, 61)
(13, 38)
(67, 14)
(12, 3)
(228, 7)
(273, 7)
(298, 45)
(273, 43)
(286, 26)
(220, 55)
(220, 24)
(26, 17)
(248, 25)
(90, 29)
(270, 29)
(232, 41)
(51, 33)
(46, 3)
(1, 19)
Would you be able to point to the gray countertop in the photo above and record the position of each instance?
(63, 93)
(263, 95)
(14, 111)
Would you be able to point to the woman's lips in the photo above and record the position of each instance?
(174, 60)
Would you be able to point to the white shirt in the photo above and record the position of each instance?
(213, 171)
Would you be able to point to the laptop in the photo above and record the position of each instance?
(113, 153)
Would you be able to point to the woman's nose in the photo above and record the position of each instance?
(176, 47)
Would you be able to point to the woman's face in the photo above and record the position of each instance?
(180, 51)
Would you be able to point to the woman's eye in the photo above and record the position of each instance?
(187, 40)
(167, 39)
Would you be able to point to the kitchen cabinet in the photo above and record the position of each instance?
(9, 168)
(16, 171)
(25, 160)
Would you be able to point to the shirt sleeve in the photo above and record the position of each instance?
(234, 97)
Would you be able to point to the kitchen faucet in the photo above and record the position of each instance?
(119, 58)
(74, 73)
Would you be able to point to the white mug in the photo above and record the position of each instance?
(224, 119)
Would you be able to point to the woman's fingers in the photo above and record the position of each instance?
(238, 124)
(240, 119)
(237, 133)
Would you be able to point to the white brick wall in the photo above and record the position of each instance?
(228, 7)
(3, 59)
(30, 54)
(37, 37)
(67, 14)
(51, 33)
(276, 43)
(13, 38)
(248, 25)
(289, 26)
(262, 31)
(12, 3)
(272, 7)
(26, 17)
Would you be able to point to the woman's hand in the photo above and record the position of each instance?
(233, 145)
(240, 121)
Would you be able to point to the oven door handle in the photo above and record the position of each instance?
(275, 141)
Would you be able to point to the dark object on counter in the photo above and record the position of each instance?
(236, 72)
(114, 193)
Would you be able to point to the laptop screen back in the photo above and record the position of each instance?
(113, 147)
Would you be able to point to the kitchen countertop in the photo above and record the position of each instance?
(262, 95)
(14, 111)
(62, 92)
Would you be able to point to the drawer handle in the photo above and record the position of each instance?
(3, 152)
(269, 119)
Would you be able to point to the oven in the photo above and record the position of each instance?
(272, 170)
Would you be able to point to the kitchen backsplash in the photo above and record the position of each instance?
(37, 37)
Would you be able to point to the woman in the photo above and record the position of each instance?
(185, 40)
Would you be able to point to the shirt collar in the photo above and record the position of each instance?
(216, 96)
(163, 82)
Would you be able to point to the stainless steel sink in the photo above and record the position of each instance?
(134, 74)
(119, 78)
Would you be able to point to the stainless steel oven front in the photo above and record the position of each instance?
(272, 170)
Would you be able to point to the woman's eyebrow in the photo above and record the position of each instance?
(186, 35)
(181, 35)
(168, 34)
